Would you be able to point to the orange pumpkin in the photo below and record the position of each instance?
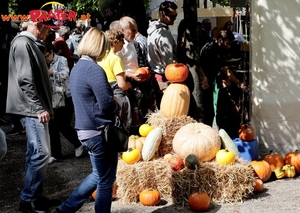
(143, 72)
(175, 101)
(246, 132)
(149, 197)
(258, 185)
(274, 160)
(293, 158)
(261, 169)
(114, 193)
(176, 72)
(199, 201)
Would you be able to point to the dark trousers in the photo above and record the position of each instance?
(62, 124)
(208, 105)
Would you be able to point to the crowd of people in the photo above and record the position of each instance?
(97, 70)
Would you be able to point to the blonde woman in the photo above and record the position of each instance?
(113, 66)
(94, 108)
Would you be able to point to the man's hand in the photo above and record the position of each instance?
(44, 117)
(204, 83)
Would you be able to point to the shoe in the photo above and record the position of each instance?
(57, 210)
(14, 131)
(32, 207)
(79, 151)
(52, 160)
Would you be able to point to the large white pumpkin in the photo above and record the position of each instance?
(198, 139)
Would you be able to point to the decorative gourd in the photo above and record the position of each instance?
(144, 129)
(131, 156)
(289, 171)
(149, 197)
(227, 143)
(176, 72)
(225, 157)
(258, 185)
(136, 142)
(246, 132)
(293, 158)
(261, 169)
(192, 162)
(175, 101)
(176, 163)
(168, 157)
(151, 143)
(199, 201)
(274, 160)
(198, 139)
(279, 173)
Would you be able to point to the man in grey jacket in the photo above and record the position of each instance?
(161, 44)
(29, 96)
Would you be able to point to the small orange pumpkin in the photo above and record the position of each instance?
(246, 132)
(258, 185)
(143, 73)
(293, 158)
(199, 201)
(274, 160)
(176, 72)
(261, 169)
(149, 197)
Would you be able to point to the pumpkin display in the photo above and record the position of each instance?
(289, 171)
(198, 139)
(144, 129)
(136, 142)
(279, 173)
(199, 201)
(176, 163)
(274, 160)
(151, 143)
(175, 101)
(192, 162)
(258, 185)
(176, 72)
(293, 158)
(246, 132)
(149, 197)
(143, 73)
(261, 169)
(131, 156)
(225, 157)
(227, 143)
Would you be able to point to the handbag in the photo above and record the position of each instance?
(58, 96)
(116, 136)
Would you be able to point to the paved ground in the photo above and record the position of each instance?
(279, 196)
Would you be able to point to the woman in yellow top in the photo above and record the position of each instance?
(113, 67)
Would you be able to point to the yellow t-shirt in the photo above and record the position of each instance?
(112, 65)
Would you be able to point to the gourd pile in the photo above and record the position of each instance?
(180, 158)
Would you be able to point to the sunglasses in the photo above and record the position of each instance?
(172, 16)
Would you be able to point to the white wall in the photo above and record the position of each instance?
(275, 62)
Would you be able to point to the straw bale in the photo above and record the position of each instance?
(132, 179)
(170, 126)
(224, 184)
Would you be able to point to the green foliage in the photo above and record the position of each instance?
(85, 6)
(147, 4)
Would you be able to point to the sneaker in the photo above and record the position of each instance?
(79, 151)
(32, 207)
(14, 131)
(52, 160)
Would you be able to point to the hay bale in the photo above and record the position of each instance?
(170, 127)
(224, 184)
(132, 179)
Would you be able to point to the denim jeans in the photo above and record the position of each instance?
(104, 165)
(37, 156)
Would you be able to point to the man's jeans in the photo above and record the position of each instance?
(37, 156)
(104, 163)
